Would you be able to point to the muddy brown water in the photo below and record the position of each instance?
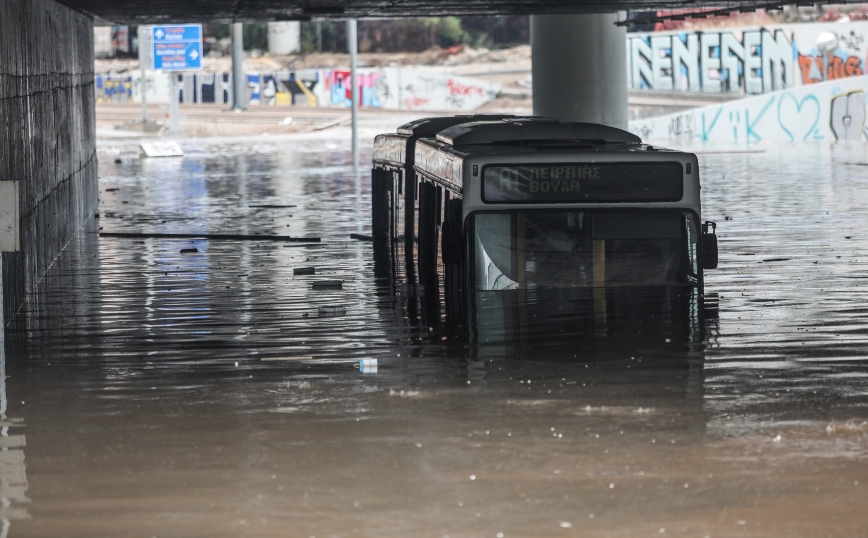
(137, 401)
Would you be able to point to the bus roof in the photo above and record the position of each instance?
(396, 149)
(526, 139)
(432, 126)
(533, 130)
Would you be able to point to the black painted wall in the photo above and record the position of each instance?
(47, 134)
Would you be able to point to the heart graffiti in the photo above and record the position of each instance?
(798, 119)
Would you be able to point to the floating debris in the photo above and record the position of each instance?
(227, 237)
(161, 148)
(368, 366)
(331, 311)
(328, 285)
(189, 250)
(304, 271)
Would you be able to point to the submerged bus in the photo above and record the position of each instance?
(536, 216)
(394, 185)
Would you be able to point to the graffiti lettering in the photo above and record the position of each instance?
(114, 89)
(681, 127)
(642, 131)
(746, 60)
(457, 88)
(836, 68)
(373, 89)
(392, 88)
(806, 113)
(415, 102)
(759, 61)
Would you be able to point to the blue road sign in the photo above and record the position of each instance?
(178, 47)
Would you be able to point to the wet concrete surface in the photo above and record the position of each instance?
(155, 393)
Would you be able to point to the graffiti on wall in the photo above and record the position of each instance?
(297, 88)
(847, 115)
(114, 89)
(760, 61)
(282, 88)
(204, 88)
(390, 88)
(373, 89)
(844, 56)
(829, 111)
(747, 60)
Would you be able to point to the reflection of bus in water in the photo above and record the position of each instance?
(546, 228)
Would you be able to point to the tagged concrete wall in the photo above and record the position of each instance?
(830, 111)
(750, 60)
(386, 88)
(47, 134)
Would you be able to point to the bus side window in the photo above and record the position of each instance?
(381, 205)
(451, 232)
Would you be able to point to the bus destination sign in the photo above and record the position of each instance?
(577, 183)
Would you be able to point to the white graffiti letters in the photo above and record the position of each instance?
(754, 61)
(777, 63)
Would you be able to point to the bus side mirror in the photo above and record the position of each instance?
(451, 247)
(709, 245)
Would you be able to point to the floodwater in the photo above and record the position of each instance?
(213, 393)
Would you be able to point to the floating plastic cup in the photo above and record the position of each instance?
(368, 366)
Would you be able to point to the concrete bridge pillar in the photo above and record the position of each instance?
(580, 68)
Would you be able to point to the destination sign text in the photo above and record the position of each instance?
(579, 183)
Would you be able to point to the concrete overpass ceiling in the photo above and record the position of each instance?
(158, 11)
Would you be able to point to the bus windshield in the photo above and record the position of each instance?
(570, 249)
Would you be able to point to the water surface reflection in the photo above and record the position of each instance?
(151, 412)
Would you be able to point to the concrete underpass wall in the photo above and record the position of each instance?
(47, 134)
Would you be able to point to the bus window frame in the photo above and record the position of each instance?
(468, 230)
